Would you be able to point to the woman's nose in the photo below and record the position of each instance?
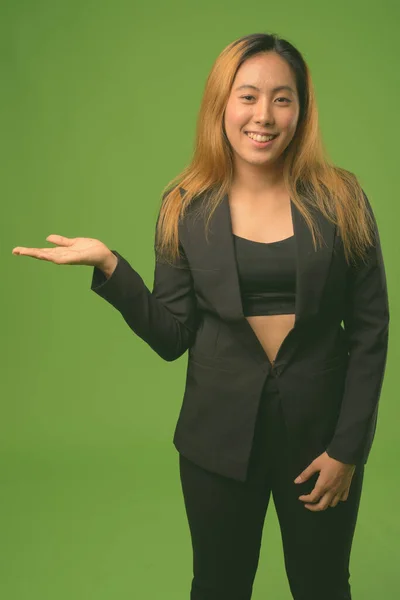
(263, 113)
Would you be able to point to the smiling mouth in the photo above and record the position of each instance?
(266, 138)
(260, 144)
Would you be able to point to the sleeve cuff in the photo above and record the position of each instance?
(123, 287)
(99, 279)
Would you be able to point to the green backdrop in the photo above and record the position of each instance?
(98, 108)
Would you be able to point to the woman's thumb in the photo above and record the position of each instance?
(60, 240)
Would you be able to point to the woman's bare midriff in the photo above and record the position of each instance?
(271, 330)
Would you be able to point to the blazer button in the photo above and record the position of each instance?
(276, 371)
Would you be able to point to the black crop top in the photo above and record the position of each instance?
(267, 276)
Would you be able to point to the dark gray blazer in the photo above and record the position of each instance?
(329, 377)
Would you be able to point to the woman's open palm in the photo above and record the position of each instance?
(69, 251)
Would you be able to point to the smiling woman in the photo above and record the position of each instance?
(286, 249)
(293, 252)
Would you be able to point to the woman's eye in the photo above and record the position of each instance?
(281, 98)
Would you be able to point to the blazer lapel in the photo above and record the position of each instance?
(218, 259)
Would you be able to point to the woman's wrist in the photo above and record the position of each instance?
(109, 265)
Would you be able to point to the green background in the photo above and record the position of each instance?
(98, 108)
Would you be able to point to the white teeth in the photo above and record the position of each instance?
(260, 138)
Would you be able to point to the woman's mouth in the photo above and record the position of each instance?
(261, 141)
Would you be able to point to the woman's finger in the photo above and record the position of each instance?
(323, 503)
(26, 251)
(58, 255)
(41, 253)
(335, 500)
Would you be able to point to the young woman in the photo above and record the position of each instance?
(263, 250)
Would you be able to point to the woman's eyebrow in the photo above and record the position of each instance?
(275, 89)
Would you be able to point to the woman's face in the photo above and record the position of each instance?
(257, 106)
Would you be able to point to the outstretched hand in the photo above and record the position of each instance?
(333, 483)
(69, 251)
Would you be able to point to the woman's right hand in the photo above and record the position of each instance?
(71, 251)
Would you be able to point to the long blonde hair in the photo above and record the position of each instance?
(310, 179)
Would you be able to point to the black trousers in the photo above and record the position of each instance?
(226, 519)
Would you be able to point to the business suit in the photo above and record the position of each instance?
(329, 378)
(246, 428)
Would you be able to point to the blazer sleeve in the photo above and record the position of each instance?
(166, 318)
(366, 322)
